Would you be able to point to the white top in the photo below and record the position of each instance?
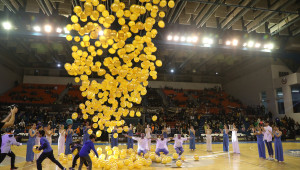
(267, 134)
(234, 136)
(142, 143)
(7, 141)
(178, 142)
(162, 144)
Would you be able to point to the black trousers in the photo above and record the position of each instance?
(47, 155)
(11, 155)
(85, 159)
(75, 159)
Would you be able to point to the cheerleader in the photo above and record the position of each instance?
(130, 140)
(260, 142)
(192, 138)
(208, 138)
(61, 139)
(37, 142)
(69, 140)
(49, 132)
(86, 136)
(277, 144)
(30, 143)
(225, 139)
(165, 133)
(235, 141)
(114, 141)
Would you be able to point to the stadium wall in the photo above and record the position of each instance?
(248, 88)
(153, 84)
(8, 78)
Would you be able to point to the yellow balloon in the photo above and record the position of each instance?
(175, 156)
(90, 131)
(178, 163)
(154, 118)
(74, 115)
(98, 133)
(171, 4)
(196, 157)
(115, 135)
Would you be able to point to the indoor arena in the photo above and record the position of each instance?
(149, 84)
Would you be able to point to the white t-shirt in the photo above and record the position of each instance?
(162, 144)
(267, 134)
(142, 143)
(178, 142)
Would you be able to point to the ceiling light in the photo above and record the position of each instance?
(172, 70)
(208, 41)
(176, 38)
(101, 33)
(48, 28)
(217, 73)
(7, 25)
(228, 42)
(245, 44)
(189, 39)
(257, 45)
(195, 39)
(58, 30)
(66, 30)
(170, 37)
(182, 38)
(250, 44)
(37, 28)
(235, 42)
(58, 65)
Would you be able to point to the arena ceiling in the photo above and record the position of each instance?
(266, 20)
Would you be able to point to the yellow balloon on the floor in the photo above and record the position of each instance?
(196, 157)
(158, 159)
(65, 160)
(178, 163)
(182, 158)
(175, 156)
(70, 157)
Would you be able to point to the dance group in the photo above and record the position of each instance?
(264, 136)
(42, 138)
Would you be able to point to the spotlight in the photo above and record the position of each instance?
(228, 42)
(48, 28)
(37, 28)
(257, 45)
(182, 38)
(189, 39)
(101, 33)
(217, 73)
(269, 46)
(58, 65)
(250, 44)
(176, 38)
(195, 39)
(235, 42)
(170, 37)
(7, 25)
(245, 44)
(172, 70)
(58, 30)
(207, 41)
(66, 30)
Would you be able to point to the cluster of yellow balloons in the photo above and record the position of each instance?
(64, 158)
(117, 159)
(125, 67)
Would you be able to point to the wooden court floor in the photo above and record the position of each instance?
(248, 159)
